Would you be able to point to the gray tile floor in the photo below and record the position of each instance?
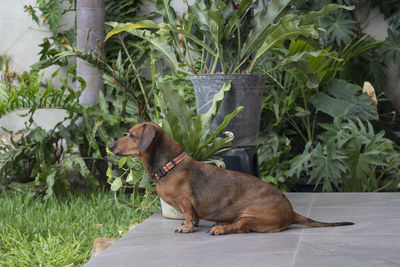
(374, 240)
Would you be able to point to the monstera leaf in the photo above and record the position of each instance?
(345, 100)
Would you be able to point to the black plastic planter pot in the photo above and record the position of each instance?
(242, 159)
(246, 90)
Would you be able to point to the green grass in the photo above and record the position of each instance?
(61, 231)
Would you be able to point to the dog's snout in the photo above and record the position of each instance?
(111, 147)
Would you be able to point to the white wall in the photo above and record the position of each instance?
(19, 34)
(20, 37)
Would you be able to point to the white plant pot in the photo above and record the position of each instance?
(169, 212)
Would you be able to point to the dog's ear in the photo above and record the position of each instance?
(148, 134)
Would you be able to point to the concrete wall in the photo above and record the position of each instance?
(20, 37)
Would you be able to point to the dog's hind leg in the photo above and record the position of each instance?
(246, 226)
(257, 217)
(238, 227)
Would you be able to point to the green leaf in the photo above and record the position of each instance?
(116, 184)
(311, 16)
(208, 117)
(218, 145)
(102, 102)
(391, 49)
(181, 110)
(262, 22)
(189, 36)
(145, 183)
(122, 162)
(301, 162)
(122, 27)
(226, 121)
(339, 27)
(164, 8)
(109, 174)
(161, 46)
(237, 17)
(340, 100)
(32, 12)
(169, 122)
(50, 179)
(329, 164)
(286, 28)
(215, 21)
(130, 179)
(367, 155)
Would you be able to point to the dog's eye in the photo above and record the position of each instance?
(131, 136)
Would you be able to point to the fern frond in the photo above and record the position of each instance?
(37, 94)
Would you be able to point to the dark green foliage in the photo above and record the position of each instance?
(219, 32)
(303, 92)
(391, 49)
(29, 94)
(350, 156)
(344, 100)
(339, 26)
(273, 158)
(86, 130)
(303, 82)
(72, 153)
(342, 29)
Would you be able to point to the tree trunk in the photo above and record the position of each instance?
(90, 37)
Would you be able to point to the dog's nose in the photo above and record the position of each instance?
(111, 147)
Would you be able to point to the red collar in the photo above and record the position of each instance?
(169, 166)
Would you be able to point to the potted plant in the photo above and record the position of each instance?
(220, 41)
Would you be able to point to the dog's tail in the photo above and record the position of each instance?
(300, 219)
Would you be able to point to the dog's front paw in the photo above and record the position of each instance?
(185, 229)
(217, 230)
(195, 224)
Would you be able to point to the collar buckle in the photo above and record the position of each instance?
(169, 166)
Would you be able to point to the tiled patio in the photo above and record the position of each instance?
(374, 240)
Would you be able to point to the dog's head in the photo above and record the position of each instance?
(136, 141)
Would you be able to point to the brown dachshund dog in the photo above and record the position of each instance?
(203, 191)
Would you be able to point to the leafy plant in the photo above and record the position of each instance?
(79, 140)
(371, 63)
(51, 14)
(73, 149)
(391, 49)
(339, 25)
(218, 30)
(350, 157)
(274, 158)
(344, 100)
(194, 131)
(301, 76)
